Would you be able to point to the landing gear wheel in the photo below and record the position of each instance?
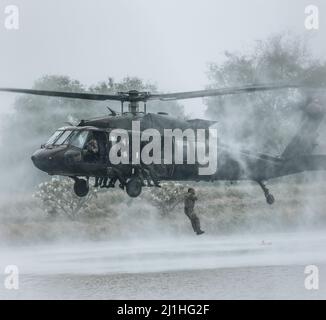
(134, 187)
(81, 188)
(270, 199)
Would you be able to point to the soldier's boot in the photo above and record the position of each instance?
(156, 182)
(146, 176)
(122, 180)
(122, 183)
(197, 226)
(141, 177)
(97, 182)
(149, 182)
(104, 182)
(153, 176)
(112, 183)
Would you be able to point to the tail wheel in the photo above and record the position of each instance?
(270, 199)
(81, 188)
(134, 187)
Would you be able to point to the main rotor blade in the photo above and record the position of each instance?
(73, 95)
(145, 96)
(222, 92)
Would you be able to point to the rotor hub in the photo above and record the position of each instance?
(134, 98)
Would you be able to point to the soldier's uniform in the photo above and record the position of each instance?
(190, 200)
(92, 155)
(92, 151)
(114, 175)
(92, 147)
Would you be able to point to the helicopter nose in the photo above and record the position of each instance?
(41, 161)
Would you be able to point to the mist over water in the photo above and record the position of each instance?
(171, 267)
(160, 254)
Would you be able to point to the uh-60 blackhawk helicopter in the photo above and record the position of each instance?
(67, 152)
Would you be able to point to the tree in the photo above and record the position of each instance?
(57, 198)
(263, 121)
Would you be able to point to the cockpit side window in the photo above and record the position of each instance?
(78, 139)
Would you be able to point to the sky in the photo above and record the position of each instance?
(168, 42)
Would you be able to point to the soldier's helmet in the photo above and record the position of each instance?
(191, 190)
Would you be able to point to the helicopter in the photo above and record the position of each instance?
(67, 152)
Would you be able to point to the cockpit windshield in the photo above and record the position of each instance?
(54, 137)
(78, 139)
(63, 139)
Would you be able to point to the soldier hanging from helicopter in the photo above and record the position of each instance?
(189, 203)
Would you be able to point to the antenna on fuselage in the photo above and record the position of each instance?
(113, 113)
